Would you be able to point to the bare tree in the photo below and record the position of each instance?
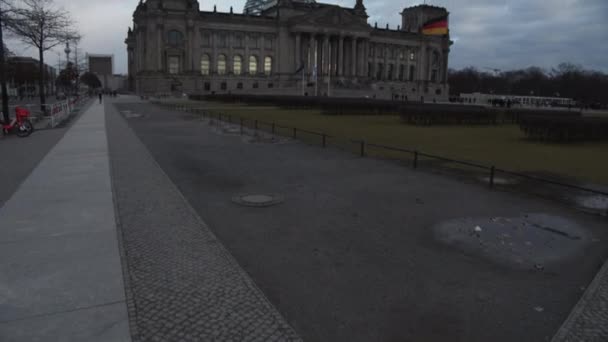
(5, 6)
(39, 23)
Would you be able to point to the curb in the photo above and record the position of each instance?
(577, 320)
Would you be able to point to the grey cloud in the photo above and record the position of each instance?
(501, 34)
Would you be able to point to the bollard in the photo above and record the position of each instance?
(415, 159)
(295, 133)
(362, 148)
(324, 140)
(273, 128)
(492, 172)
(256, 125)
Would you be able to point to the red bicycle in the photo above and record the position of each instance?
(20, 125)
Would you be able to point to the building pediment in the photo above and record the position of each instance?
(331, 17)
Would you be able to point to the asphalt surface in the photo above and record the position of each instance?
(351, 255)
(182, 284)
(21, 155)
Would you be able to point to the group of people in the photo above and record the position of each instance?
(111, 93)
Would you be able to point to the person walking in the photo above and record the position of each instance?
(100, 97)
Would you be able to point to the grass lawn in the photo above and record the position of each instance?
(503, 145)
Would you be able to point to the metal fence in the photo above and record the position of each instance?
(55, 113)
(361, 147)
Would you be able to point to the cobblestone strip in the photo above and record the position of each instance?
(183, 284)
(588, 321)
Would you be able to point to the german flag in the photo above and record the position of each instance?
(436, 27)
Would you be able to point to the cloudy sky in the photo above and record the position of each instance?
(496, 34)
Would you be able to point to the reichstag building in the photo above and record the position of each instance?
(292, 47)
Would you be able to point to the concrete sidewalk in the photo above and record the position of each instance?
(60, 270)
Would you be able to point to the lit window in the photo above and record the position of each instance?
(221, 64)
(173, 65)
(412, 56)
(175, 38)
(237, 65)
(205, 64)
(268, 65)
(253, 65)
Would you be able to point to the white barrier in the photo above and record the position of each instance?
(55, 113)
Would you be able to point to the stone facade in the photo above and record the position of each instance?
(291, 48)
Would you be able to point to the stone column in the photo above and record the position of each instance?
(298, 55)
(353, 60)
(325, 60)
(141, 46)
(385, 71)
(188, 65)
(310, 60)
(361, 62)
(246, 57)
(230, 57)
(341, 56)
(159, 49)
(444, 66)
(213, 59)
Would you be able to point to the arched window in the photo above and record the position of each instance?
(253, 65)
(176, 38)
(237, 64)
(221, 64)
(267, 65)
(205, 64)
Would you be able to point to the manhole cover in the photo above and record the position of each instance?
(258, 200)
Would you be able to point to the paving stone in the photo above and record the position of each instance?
(184, 284)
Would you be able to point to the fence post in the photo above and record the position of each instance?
(362, 148)
(295, 133)
(492, 172)
(324, 140)
(415, 159)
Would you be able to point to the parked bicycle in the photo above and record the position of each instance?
(20, 125)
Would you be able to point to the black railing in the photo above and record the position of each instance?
(363, 146)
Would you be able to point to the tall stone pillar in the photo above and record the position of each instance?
(311, 55)
(385, 71)
(159, 49)
(213, 59)
(353, 59)
(246, 57)
(341, 56)
(374, 62)
(298, 55)
(325, 55)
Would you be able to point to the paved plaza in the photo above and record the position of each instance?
(126, 228)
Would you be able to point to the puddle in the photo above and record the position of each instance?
(595, 202)
(526, 242)
(258, 200)
(500, 180)
(130, 115)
